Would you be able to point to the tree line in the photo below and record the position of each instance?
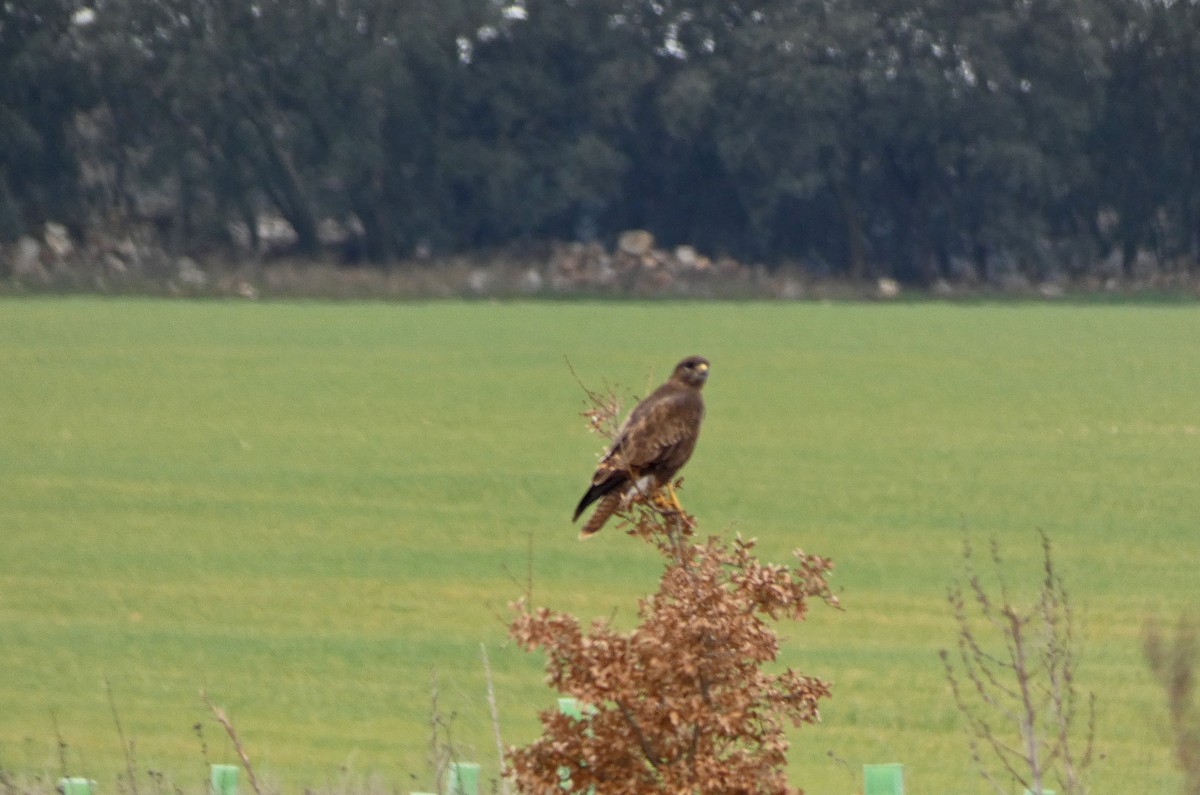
(917, 139)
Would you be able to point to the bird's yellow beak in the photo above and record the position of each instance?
(702, 367)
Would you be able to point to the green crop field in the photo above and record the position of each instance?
(317, 513)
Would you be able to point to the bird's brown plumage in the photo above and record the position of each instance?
(653, 443)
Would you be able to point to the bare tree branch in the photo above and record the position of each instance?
(1021, 704)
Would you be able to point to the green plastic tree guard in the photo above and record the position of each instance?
(75, 786)
(570, 707)
(464, 779)
(223, 779)
(883, 779)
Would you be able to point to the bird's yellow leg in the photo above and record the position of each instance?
(672, 499)
(660, 499)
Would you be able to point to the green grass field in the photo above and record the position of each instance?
(308, 510)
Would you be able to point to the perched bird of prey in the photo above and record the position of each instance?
(656, 439)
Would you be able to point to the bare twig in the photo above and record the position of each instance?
(529, 568)
(127, 748)
(227, 725)
(1174, 665)
(491, 697)
(602, 410)
(1029, 688)
(441, 746)
(198, 728)
(62, 744)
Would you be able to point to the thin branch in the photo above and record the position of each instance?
(62, 744)
(603, 408)
(126, 748)
(227, 725)
(647, 750)
(491, 698)
(437, 752)
(1029, 689)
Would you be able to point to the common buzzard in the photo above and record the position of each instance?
(652, 444)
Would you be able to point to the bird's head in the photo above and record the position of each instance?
(692, 371)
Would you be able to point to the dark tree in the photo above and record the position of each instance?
(43, 85)
(1146, 143)
(919, 139)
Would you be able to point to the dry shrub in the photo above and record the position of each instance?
(1014, 681)
(1173, 662)
(681, 703)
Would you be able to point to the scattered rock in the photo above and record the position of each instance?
(189, 275)
(127, 250)
(58, 240)
(113, 264)
(27, 263)
(531, 281)
(479, 280)
(790, 289)
(942, 288)
(635, 243)
(1014, 282)
(134, 257)
(686, 256)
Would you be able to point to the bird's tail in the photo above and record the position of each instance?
(604, 509)
(598, 490)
